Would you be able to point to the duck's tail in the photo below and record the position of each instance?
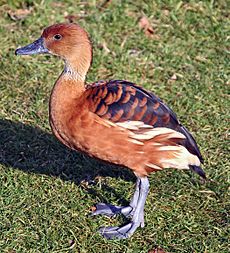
(198, 170)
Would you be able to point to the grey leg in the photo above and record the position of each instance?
(133, 203)
(137, 219)
(111, 210)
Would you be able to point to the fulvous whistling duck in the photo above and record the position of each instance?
(115, 121)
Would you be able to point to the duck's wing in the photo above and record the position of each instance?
(120, 101)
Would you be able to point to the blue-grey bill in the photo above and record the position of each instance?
(37, 47)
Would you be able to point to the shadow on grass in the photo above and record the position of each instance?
(33, 150)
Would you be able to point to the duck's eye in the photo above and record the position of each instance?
(57, 36)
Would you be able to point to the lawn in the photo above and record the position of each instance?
(47, 191)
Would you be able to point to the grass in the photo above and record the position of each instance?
(46, 191)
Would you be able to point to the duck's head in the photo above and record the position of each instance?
(69, 41)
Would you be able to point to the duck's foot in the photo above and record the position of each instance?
(135, 210)
(119, 232)
(111, 210)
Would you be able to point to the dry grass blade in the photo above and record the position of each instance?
(157, 250)
(147, 27)
(19, 14)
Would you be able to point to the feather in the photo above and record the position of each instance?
(138, 105)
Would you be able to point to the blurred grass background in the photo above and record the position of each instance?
(46, 191)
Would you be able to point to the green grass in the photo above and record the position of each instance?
(46, 191)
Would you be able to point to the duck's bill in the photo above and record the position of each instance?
(37, 47)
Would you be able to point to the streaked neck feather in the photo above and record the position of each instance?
(70, 73)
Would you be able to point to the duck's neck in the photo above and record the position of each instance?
(70, 86)
(78, 61)
(64, 99)
(66, 90)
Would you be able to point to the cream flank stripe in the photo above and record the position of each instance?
(182, 157)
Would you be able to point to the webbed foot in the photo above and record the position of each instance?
(135, 211)
(119, 232)
(125, 231)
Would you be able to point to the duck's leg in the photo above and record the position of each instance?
(137, 218)
(111, 210)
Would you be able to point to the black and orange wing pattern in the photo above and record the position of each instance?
(119, 101)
